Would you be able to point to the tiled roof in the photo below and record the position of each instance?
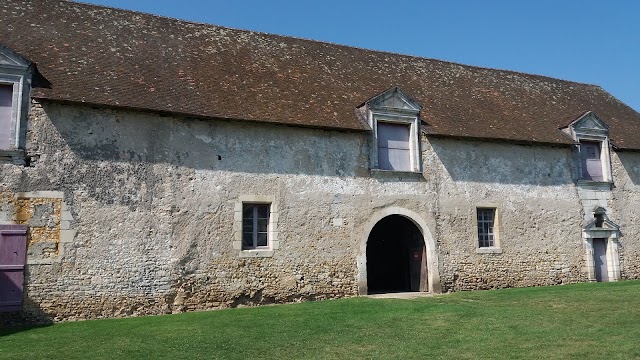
(128, 59)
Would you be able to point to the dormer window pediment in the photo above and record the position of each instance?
(11, 60)
(605, 225)
(589, 123)
(601, 226)
(394, 100)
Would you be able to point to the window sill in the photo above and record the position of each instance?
(489, 250)
(15, 157)
(595, 182)
(256, 253)
(385, 174)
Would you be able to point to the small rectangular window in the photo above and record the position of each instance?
(590, 160)
(6, 107)
(394, 151)
(255, 226)
(486, 232)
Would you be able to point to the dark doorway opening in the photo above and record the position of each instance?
(396, 260)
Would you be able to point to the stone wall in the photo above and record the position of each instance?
(147, 207)
(537, 205)
(625, 210)
(152, 201)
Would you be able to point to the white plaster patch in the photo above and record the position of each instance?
(204, 139)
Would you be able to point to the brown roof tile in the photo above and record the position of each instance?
(128, 59)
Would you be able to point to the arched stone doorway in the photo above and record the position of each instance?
(431, 255)
(396, 257)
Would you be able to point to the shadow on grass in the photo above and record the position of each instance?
(30, 317)
(5, 331)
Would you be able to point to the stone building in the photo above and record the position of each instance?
(151, 165)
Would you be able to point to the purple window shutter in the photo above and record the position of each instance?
(393, 147)
(13, 248)
(591, 164)
(6, 98)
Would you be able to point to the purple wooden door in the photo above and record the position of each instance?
(13, 247)
(591, 164)
(6, 98)
(393, 147)
(600, 259)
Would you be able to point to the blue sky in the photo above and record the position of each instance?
(590, 41)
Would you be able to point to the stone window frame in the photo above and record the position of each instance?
(497, 229)
(272, 238)
(398, 118)
(394, 107)
(257, 228)
(16, 82)
(16, 72)
(590, 128)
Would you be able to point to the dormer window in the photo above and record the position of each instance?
(395, 124)
(593, 160)
(15, 79)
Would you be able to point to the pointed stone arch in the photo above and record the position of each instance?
(433, 272)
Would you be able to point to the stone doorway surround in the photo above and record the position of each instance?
(602, 228)
(433, 273)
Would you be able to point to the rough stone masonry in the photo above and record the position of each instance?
(133, 214)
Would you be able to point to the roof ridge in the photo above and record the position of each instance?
(478, 67)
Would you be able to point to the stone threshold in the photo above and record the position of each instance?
(400, 295)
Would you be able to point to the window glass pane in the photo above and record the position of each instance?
(247, 211)
(394, 147)
(394, 159)
(590, 161)
(383, 159)
(6, 97)
(262, 239)
(247, 222)
(262, 225)
(400, 159)
(255, 225)
(247, 240)
(263, 211)
(393, 136)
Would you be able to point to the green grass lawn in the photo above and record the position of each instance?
(582, 321)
